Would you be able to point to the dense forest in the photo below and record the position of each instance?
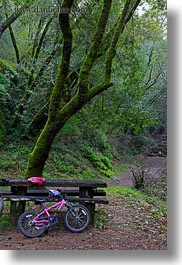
(83, 96)
(83, 89)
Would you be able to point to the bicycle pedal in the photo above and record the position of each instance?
(53, 222)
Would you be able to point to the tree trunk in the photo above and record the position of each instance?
(41, 150)
(39, 121)
(14, 45)
(59, 110)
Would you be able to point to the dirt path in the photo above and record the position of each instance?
(127, 229)
(154, 166)
(131, 226)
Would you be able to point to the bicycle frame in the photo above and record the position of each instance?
(46, 210)
(33, 224)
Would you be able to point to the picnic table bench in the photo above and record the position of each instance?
(85, 192)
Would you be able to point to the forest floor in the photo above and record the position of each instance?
(133, 224)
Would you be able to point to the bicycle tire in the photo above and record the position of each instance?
(27, 228)
(1, 206)
(77, 218)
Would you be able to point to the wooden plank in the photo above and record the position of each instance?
(89, 200)
(22, 198)
(33, 198)
(61, 183)
(45, 192)
(37, 192)
(67, 192)
(76, 183)
(5, 192)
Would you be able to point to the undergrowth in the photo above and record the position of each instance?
(100, 218)
(71, 157)
(137, 198)
(4, 221)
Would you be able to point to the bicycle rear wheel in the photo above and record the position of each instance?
(77, 218)
(28, 228)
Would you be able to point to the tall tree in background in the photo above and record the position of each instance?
(62, 107)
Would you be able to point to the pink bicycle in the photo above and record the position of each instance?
(33, 224)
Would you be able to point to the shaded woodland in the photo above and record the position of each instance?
(83, 96)
(86, 79)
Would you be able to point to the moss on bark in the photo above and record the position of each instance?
(41, 150)
(59, 111)
(94, 48)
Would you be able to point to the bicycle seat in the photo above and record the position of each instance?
(39, 201)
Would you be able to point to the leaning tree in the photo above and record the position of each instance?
(62, 105)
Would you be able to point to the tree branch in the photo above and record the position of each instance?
(132, 11)
(39, 27)
(61, 77)
(96, 90)
(36, 51)
(14, 45)
(11, 18)
(125, 17)
(44, 66)
(9, 21)
(94, 48)
(149, 85)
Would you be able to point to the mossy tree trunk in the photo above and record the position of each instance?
(61, 110)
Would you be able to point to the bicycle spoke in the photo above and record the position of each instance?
(77, 219)
(30, 228)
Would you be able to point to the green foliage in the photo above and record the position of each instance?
(9, 68)
(131, 192)
(135, 102)
(13, 159)
(4, 221)
(4, 85)
(120, 167)
(4, 81)
(71, 160)
(101, 163)
(132, 195)
(124, 191)
(71, 127)
(65, 169)
(100, 218)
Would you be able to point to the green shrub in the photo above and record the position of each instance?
(101, 163)
(100, 218)
(67, 169)
(106, 162)
(4, 84)
(4, 221)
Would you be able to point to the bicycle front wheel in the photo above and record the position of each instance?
(28, 228)
(77, 218)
